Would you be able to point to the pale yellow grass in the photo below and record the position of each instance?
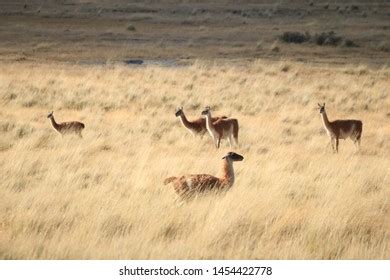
(102, 197)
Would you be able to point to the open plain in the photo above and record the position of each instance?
(103, 197)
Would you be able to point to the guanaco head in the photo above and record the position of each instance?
(206, 110)
(233, 156)
(50, 114)
(179, 111)
(322, 108)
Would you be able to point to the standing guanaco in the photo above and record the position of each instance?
(341, 129)
(67, 127)
(221, 129)
(196, 127)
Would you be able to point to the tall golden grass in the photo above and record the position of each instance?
(102, 197)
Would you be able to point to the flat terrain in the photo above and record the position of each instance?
(101, 31)
(102, 197)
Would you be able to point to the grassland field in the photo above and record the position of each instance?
(102, 197)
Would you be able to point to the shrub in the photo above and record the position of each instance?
(327, 38)
(384, 46)
(349, 43)
(295, 37)
(322, 39)
(354, 8)
(131, 28)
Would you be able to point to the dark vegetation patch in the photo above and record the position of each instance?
(294, 37)
(131, 28)
(349, 43)
(322, 39)
(327, 38)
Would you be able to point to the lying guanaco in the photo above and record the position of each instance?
(189, 185)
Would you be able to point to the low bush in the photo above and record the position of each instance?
(295, 37)
(327, 38)
(322, 39)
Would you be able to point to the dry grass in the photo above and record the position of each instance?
(102, 197)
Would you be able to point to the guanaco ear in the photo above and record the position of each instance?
(181, 108)
(324, 104)
(319, 105)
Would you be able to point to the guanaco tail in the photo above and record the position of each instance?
(67, 127)
(221, 129)
(341, 129)
(196, 127)
(189, 185)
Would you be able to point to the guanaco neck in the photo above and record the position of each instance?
(185, 122)
(53, 122)
(228, 172)
(209, 123)
(325, 120)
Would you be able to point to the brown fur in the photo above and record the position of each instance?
(197, 126)
(199, 184)
(221, 129)
(341, 129)
(223, 125)
(67, 127)
(189, 185)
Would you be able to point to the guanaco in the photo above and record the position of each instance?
(189, 185)
(67, 127)
(221, 129)
(196, 127)
(341, 129)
